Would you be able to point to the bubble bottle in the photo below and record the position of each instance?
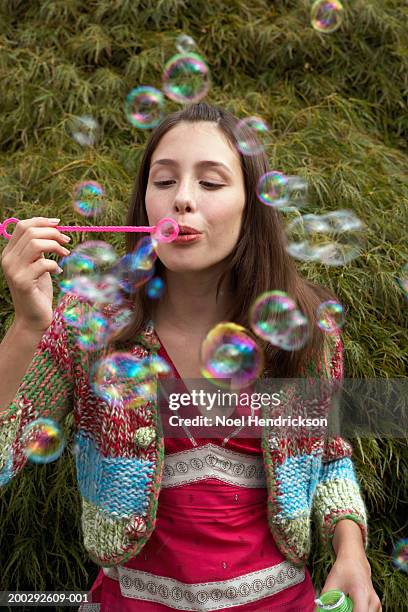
(336, 601)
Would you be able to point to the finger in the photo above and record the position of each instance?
(36, 246)
(360, 601)
(34, 232)
(24, 280)
(18, 230)
(375, 604)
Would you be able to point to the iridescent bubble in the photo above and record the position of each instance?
(93, 332)
(327, 15)
(155, 288)
(6, 466)
(84, 130)
(298, 191)
(330, 316)
(120, 319)
(89, 272)
(136, 268)
(186, 78)
(228, 352)
(267, 309)
(42, 441)
(334, 239)
(145, 391)
(400, 555)
(144, 107)
(73, 314)
(158, 366)
(185, 44)
(251, 134)
(274, 317)
(124, 379)
(272, 189)
(89, 198)
(166, 230)
(98, 288)
(403, 280)
(227, 359)
(102, 254)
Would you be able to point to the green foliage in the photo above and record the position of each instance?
(337, 110)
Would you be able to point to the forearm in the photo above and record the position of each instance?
(347, 540)
(16, 353)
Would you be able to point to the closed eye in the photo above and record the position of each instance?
(169, 183)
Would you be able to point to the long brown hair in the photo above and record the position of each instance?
(259, 261)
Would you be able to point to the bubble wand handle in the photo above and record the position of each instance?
(166, 229)
(335, 601)
(106, 228)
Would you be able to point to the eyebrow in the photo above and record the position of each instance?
(207, 163)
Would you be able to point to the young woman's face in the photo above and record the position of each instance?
(196, 178)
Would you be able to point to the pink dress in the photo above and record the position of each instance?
(211, 548)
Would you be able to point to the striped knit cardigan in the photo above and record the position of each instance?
(120, 455)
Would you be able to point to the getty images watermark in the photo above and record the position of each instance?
(211, 402)
(284, 407)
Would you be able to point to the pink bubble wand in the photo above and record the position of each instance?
(166, 230)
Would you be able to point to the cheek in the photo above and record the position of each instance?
(154, 206)
(225, 230)
(227, 217)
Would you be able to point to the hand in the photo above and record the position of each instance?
(27, 271)
(352, 575)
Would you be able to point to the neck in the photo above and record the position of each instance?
(189, 304)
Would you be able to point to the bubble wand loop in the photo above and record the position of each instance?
(166, 230)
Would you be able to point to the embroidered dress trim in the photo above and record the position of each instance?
(205, 596)
(210, 461)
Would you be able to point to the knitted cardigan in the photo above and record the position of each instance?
(120, 454)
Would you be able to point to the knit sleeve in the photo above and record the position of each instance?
(337, 495)
(46, 390)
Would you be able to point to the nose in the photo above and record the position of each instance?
(183, 202)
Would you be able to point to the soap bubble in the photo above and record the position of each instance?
(42, 441)
(229, 352)
(186, 78)
(84, 130)
(334, 239)
(98, 289)
(272, 189)
(185, 44)
(94, 331)
(297, 191)
(251, 134)
(88, 272)
(95, 326)
(144, 107)
(73, 314)
(136, 268)
(120, 319)
(403, 280)
(330, 316)
(166, 230)
(124, 379)
(155, 288)
(274, 317)
(6, 467)
(400, 555)
(227, 359)
(89, 198)
(327, 15)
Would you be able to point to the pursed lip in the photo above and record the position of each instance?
(187, 229)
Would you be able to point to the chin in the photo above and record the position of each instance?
(182, 266)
